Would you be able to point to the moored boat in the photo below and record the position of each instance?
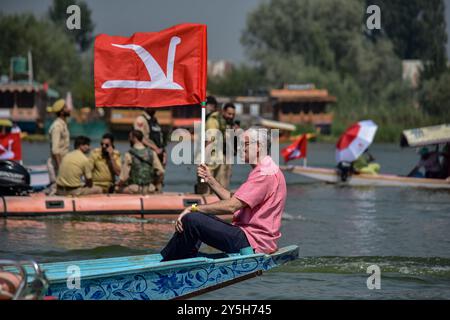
(385, 180)
(165, 205)
(146, 278)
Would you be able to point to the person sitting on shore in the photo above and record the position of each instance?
(365, 164)
(139, 167)
(430, 162)
(75, 168)
(105, 163)
(257, 207)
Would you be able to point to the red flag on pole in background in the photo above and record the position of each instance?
(296, 150)
(10, 147)
(151, 69)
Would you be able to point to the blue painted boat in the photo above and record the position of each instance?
(146, 278)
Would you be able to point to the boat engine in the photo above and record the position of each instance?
(14, 179)
(344, 170)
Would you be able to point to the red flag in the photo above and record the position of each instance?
(151, 69)
(10, 147)
(296, 150)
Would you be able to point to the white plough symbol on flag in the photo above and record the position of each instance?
(158, 80)
(7, 152)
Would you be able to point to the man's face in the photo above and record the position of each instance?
(105, 143)
(66, 112)
(250, 149)
(228, 114)
(85, 148)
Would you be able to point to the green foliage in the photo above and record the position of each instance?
(325, 42)
(417, 30)
(58, 14)
(241, 80)
(55, 58)
(289, 37)
(83, 87)
(435, 97)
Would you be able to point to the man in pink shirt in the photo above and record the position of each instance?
(257, 207)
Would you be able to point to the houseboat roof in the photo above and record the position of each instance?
(426, 136)
(302, 95)
(25, 86)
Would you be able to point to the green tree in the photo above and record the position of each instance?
(55, 58)
(435, 97)
(417, 30)
(287, 36)
(58, 14)
(241, 80)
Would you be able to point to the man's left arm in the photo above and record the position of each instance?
(229, 206)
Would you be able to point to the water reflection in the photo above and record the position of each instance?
(364, 219)
(25, 236)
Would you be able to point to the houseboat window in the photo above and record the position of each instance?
(285, 108)
(239, 108)
(254, 109)
(6, 100)
(25, 99)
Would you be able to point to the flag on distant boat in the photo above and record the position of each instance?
(151, 69)
(355, 140)
(296, 150)
(10, 147)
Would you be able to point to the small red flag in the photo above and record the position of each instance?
(296, 150)
(151, 69)
(10, 147)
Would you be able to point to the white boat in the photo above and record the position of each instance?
(381, 180)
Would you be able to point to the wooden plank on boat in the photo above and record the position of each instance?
(382, 180)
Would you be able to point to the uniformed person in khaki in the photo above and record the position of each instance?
(153, 139)
(75, 172)
(220, 170)
(139, 167)
(105, 164)
(59, 138)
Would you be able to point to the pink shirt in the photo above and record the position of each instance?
(265, 194)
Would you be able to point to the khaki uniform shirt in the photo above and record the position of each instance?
(213, 158)
(59, 137)
(101, 175)
(74, 166)
(126, 165)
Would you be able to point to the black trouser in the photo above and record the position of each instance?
(199, 227)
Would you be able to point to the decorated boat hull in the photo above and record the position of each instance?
(146, 278)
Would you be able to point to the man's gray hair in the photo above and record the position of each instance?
(261, 135)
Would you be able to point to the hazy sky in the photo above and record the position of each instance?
(225, 18)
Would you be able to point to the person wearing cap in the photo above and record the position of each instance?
(429, 160)
(59, 137)
(5, 126)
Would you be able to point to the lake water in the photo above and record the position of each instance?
(340, 231)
